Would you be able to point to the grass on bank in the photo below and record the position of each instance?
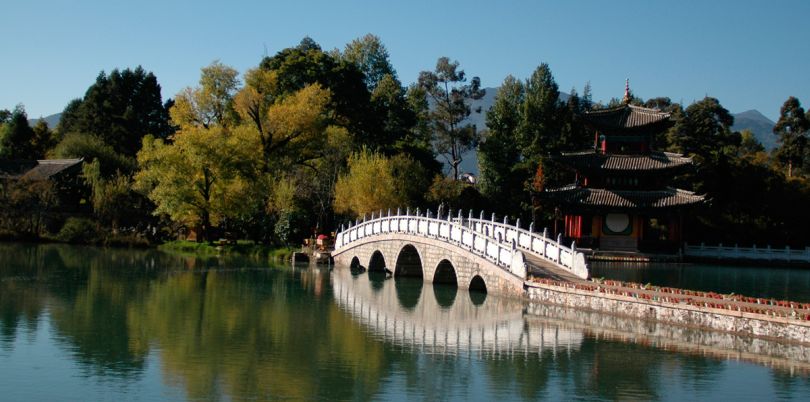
(242, 247)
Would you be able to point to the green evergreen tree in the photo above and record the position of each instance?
(539, 134)
(120, 108)
(499, 153)
(792, 129)
(17, 136)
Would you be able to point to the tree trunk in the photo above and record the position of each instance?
(205, 224)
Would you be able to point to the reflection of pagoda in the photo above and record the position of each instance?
(621, 201)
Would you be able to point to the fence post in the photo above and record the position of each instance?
(505, 219)
(481, 216)
(493, 217)
(531, 227)
(559, 239)
(471, 214)
(517, 223)
(545, 233)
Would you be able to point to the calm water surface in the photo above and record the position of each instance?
(782, 283)
(85, 324)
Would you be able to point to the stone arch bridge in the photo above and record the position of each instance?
(473, 253)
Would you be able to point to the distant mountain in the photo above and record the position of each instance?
(761, 126)
(52, 120)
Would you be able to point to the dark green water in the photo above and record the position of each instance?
(782, 283)
(85, 324)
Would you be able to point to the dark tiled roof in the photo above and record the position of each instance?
(623, 199)
(654, 161)
(36, 170)
(625, 116)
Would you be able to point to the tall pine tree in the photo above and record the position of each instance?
(792, 129)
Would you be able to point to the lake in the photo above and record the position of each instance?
(82, 323)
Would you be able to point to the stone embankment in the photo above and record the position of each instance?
(766, 318)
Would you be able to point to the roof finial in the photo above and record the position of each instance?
(626, 99)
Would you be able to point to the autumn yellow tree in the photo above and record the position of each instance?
(374, 182)
(209, 104)
(200, 178)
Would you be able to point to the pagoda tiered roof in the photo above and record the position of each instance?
(625, 117)
(623, 199)
(652, 163)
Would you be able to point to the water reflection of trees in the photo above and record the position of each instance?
(235, 333)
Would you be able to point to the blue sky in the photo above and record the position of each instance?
(750, 55)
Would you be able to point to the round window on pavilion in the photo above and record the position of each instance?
(618, 224)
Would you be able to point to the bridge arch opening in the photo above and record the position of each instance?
(355, 267)
(445, 284)
(478, 290)
(445, 273)
(408, 263)
(377, 262)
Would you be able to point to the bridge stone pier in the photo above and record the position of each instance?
(474, 254)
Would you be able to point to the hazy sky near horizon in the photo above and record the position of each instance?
(748, 54)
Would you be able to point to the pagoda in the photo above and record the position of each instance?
(621, 199)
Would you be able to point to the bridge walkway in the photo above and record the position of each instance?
(538, 267)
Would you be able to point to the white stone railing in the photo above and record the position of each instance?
(538, 244)
(748, 253)
(499, 243)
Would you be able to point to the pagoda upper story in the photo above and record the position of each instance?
(622, 171)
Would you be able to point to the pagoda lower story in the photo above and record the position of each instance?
(623, 220)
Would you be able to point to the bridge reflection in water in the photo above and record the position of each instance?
(441, 319)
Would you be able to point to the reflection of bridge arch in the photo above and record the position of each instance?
(496, 326)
